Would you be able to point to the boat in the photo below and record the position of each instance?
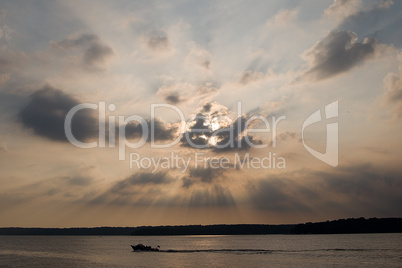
(141, 247)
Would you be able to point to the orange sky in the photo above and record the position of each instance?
(219, 71)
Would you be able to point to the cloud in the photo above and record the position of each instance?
(173, 98)
(202, 175)
(348, 11)
(187, 93)
(210, 117)
(283, 17)
(97, 54)
(393, 90)
(200, 58)
(158, 43)
(212, 128)
(155, 45)
(77, 180)
(209, 188)
(138, 189)
(140, 179)
(393, 84)
(94, 52)
(364, 189)
(145, 189)
(162, 130)
(250, 76)
(3, 148)
(71, 188)
(342, 9)
(207, 107)
(47, 108)
(234, 138)
(5, 33)
(5, 63)
(46, 111)
(4, 78)
(338, 52)
(284, 136)
(198, 134)
(380, 19)
(275, 195)
(12, 61)
(385, 4)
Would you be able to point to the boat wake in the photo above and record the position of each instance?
(258, 251)
(246, 251)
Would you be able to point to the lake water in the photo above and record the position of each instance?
(356, 250)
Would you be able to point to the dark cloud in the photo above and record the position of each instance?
(47, 108)
(202, 175)
(141, 179)
(338, 52)
(46, 111)
(357, 189)
(363, 181)
(171, 94)
(162, 131)
(173, 98)
(250, 76)
(227, 136)
(94, 52)
(381, 19)
(82, 40)
(231, 137)
(207, 108)
(97, 54)
(206, 64)
(187, 93)
(187, 182)
(275, 195)
(158, 43)
(198, 134)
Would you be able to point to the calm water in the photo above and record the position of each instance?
(364, 250)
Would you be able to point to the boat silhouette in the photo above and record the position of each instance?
(142, 247)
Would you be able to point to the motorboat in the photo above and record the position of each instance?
(142, 247)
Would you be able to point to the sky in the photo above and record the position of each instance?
(129, 113)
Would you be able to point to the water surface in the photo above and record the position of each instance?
(355, 250)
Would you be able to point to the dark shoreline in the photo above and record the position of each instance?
(341, 226)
